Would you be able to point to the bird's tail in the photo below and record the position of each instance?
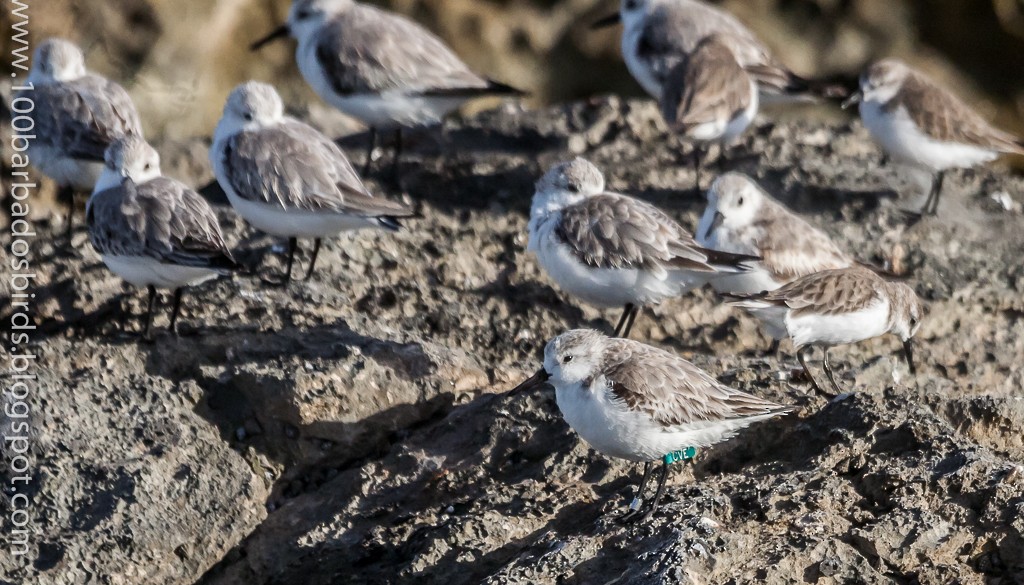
(499, 88)
(729, 262)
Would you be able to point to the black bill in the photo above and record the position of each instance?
(908, 352)
(854, 99)
(607, 21)
(532, 382)
(278, 33)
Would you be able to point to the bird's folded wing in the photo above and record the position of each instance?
(84, 116)
(371, 51)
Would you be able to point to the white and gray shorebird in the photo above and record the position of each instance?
(636, 402)
(612, 250)
(837, 307)
(709, 98)
(379, 67)
(659, 34)
(741, 218)
(152, 231)
(77, 116)
(289, 180)
(921, 124)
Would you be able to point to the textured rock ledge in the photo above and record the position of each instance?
(352, 428)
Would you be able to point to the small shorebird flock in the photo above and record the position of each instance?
(708, 72)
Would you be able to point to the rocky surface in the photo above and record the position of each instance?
(354, 428)
(180, 59)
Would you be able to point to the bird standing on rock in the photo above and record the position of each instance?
(379, 67)
(837, 307)
(152, 231)
(76, 116)
(289, 180)
(709, 99)
(659, 34)
(612, 250)
(921, 124)
(741, 218)
(632, 401)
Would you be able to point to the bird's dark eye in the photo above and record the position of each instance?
(566, 359)
(572, 188)
(740, 202)
(147, 167)
(247, 116)
(303, 14)
(632, 4)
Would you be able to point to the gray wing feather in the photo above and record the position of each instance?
(295, 167)
(674, 391)
(616, 231)
(791, 248)
(82, 117)
(160, 219)
(675, 28)
(368, 50)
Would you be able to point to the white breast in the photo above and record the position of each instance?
(143, 271)
(604, 287)
(609, 426)
(900, 137)
(638, 68)
(66, 171)
(829, 330)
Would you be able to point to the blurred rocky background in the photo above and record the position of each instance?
(180, 58)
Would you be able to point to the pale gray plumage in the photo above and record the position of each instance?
(671, 390)
(936, 111)
(707, 87)
(75, 112)
(674, 28)
(82, 117)
(616, 231)
(788, 245)
(369, 50)
(293, 166)
(160, 219)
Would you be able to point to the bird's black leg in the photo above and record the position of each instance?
(831, 376)
(801, 354)
(66, 195)
(722, 158)
(175, 308)
(312, 261)
(638, 500)
(149, 313)
(293, 243)
(622, 320)
(931, 205)
(398, 155)
(698, 159)
(369, 151)
(629, 322)
(657, 494)
(773, 349)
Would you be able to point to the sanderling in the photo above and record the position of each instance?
(836, 307)
(636, 402)
(612, 250)
(152, 231)
(709, 98)
(77, 116)
(920, 123)
(741, 218)
(660, 33)
(287, 179)
(379, 67)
